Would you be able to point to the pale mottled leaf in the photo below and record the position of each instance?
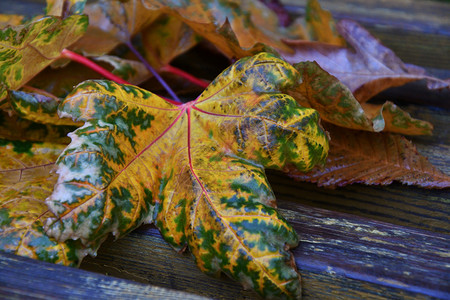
(132, 71)
(196, 170)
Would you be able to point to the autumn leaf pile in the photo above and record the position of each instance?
(79, 163)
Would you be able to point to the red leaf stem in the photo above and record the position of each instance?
(197, 81)
(92, 65)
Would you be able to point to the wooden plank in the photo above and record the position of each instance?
(25, 278)
(418, 15)
(377, 258)
(147, 258)
(395, 204)
(372, 251)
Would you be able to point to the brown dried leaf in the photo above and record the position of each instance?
(367, 69)
(373, 158)
(236, 28)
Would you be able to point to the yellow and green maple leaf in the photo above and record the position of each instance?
(196, 170)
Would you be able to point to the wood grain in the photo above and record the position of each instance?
(378, 259)
(418, 15)
(24, 278)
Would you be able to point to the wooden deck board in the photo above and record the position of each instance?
(397, 260)
(24, 278)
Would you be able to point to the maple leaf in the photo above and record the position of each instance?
(337, 105)
(196, 170)
(24, 184)
(367, 69)
(27, 49)
(373, 158)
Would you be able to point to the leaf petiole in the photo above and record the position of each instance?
(92, 65)
(197, 81)
(152, 70)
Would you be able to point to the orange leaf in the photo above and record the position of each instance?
(167, 38)
(234, 27)
(321, 25)
(10, 20)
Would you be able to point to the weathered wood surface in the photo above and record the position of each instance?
(357, 242)
(25, 278)
(386, 259)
